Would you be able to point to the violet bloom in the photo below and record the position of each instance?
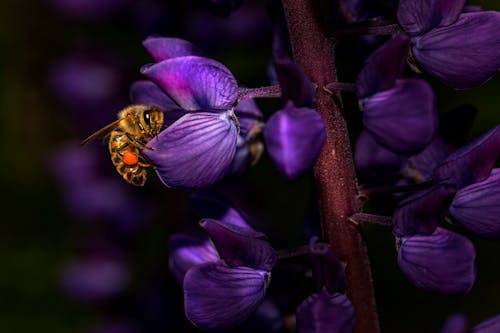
(225, 279)
(443, 262)
(460, 49)
(197, 149)
(294, 135)
(400, 114)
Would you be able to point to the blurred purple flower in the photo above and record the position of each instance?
(197, 149)
(460, 49)
(90, 195)
(88, 9)
(443, 262)
(457, 323)
(96, 277)
(400, 114)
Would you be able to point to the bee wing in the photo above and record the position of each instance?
(103, 131)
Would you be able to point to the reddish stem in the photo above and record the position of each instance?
(334, 171)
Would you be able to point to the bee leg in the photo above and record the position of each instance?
(144, 163)
(138, 143)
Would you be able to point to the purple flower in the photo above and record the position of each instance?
(472, 163)
(294, 138)
(400, 114)
(443, 262)
(222, 292)
(460, 49)
(422, 212)
(475, 207)
(95, 278)
(197, 149)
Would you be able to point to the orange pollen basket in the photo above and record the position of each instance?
(130, 158)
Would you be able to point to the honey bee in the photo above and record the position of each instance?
(135, 126)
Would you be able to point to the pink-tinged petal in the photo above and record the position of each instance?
(419, 16)
(476, 207)
(187, 251)
(240, 246)
(195, 83)
(443, 262)
(472, 163)
(196, 151)
(463, 55)
(404, 118)
(383, 67)
(147, 93)
(162, 48)
(294, 138)
(324, 312)
(219, 296)
(422, 212)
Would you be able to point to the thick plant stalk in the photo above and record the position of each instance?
(334, 172)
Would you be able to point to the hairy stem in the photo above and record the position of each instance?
(262, 92)
(334, 172)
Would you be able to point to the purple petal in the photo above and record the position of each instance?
(196, 151)
(162, 48)
(217, 296)
(422, 212)
(148, 93)
(443, 262)
(491, 325)
(428, 159)
(472, 163)
(455, 324)
(188, 251)
(195, 83)
(294, 138)
(403, 118)
(212, 205)
(383, 67)
(476, 207)
(240, 246)
(373, 159)
(295, 85)
(463, 55)
(419, 16)
(323, 312)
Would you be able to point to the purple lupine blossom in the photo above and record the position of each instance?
(294, 135)
(225, 279)
(460, 49)
(400, 114)
(443, 262)
(198, 148)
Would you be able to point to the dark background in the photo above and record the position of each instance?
(39, 235)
